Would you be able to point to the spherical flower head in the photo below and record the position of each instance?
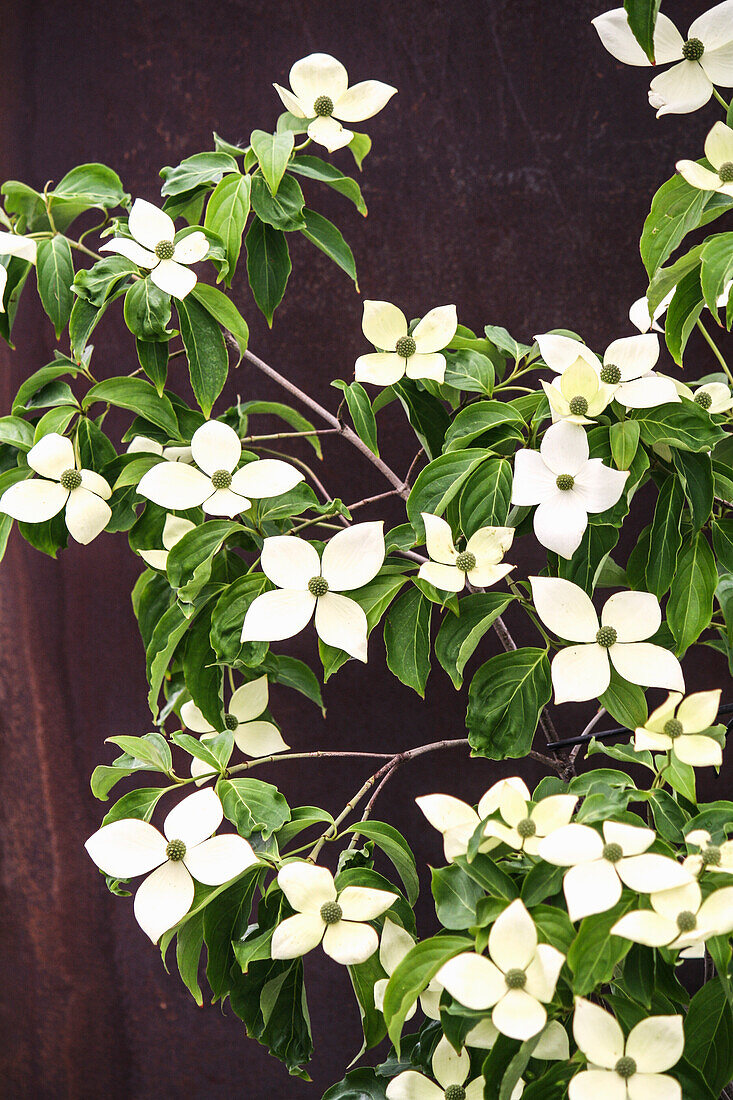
(565, 482)
(610, 374)
(231, 722)
(725, 172)
(175, 850)
(164, 250)
(318, 586)
(613, 852)
(686, 921)
(711, 856)
(455, 1092)
(221, 479)
(673, 728)
(578, 405)
(606, 637)
(693, 49)
(466, 561)
(331, 912)
(323, 106)
(625, 1067)
(70, 479)
(703, 399)
(405, 347)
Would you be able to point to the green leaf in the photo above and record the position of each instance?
(226, 215)
(316, 169)
(364, 977)
(147, 311)
(505, 700)
(682, 314)
(397, 850)
(677, 209)
(140, 397)
(709, 1034)
(716, 259)
(439, 482)
(642, 17)
(283, 210)
(82, 322)
(152, 750)
(55, 274)
(696, 475)
(456, 896)
(358, 1084)
(223, 310)
(152, 356)
(206, 352)
(167, 634)
(624, 439)
(189, 945)
(625, 702)
(228, 616)
(486, 497)
(359, 147)
(203, 676)
(362, 414)
(138, 804)
(492, 423)
(665, 537)
(407, 640)
(460, 634)
(414, 974)
(678, 424)
(190, 560)
(224, 920)
(489, 876)
(253, 806)
(88, 185)
(196, 171)
(273, 153)
(97, 283)
(690, 606)
(722, 531)
(284, 412)
(16, 432)
(268, 266)
(595, 953)
(324, 235)
(469, 370)
(501, 339)
(426, 414)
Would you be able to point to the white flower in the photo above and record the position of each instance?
(714, 397)
(679, 918)
(393, 946)
(478, 564)
(253, 738)
(719, 151)
(457, 821)
(711, 857)
(142, 444)
(417, 355)
(553, 1044)
(566, 484)
(82, 492)
(14, 244)
(627, 371)
(525, 827)
(320, 91)
(600, 864)
(155, 249)
(630, 1070)
(221, 492)
(517, 982)
(187, 851)
(677, 726)
(450, 1070)
(324, 914)
(173, 531)
(583, 671)
(577, 394)
(705, 57)
(306, 584)
(640, 316)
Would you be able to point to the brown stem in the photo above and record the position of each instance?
(372, 500)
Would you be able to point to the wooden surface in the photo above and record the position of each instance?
(511, 175)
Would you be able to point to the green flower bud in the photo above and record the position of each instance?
(466, 561)
(318, 586)
(526, 828)
(405, 347)
(703, 399)
(578, 405)
(565, 482)
(725, 172)
(231, 721)
(626, 1067)
(70, 479)
(221, 479)
(613, 852)
(607, 637)
(611, 374)
(323, 106)
(164, 250)
(515, 978)
(693, 49)
(673, 728)
(686, 921)
(175, 850)
(331, 912)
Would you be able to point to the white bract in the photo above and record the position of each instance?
(516, 982)
(678, 726)
(320, 91)
(714, 397)
(642, 319)
(577, 395)
(583, 671)
(253, 738)
(478, 564)
(174, 529)
(457, 821)
(719, 151)
(450, 1070)
(627, 372)
(184, 851)
(631, 1069)
(416, 354)
(155, 249)
(142, 444)
(711, 857)
(705, 57)
(213, 483)
(393, 946)
(600, 864)
(62, 484)
(14, 244)
(307, 583)
(524, 826)
(553, 1044)
(679, 919)
(323, 914)
(566, 485)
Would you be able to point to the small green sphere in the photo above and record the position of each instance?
(466, 561)
(686, 921)
(175, 850)
(673, 728)
(611, 374)
(405, 347)
(578, 405)
(703, 399)
(164, 250)
(221, 479)
(607, 637)
(526, 828)
(565, 482)
(231, 721)
(693, 49)
(725, 172)
(323, 106)
(712, 856)
(626, 1067)
(455, 1092)
(70, 479)
(331, 912)
(515, 978)
(318, 586)
(613, 852)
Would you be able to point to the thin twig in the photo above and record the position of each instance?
(372, 500)
(289, 435)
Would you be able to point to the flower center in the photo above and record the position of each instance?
(626, 1067)
(686, 921)
(607, 637)
(323, 106)
(693, 49)
(673, 728)
(613, 852)
(318, 586)
(175, 850)
(725, 172)
(466, 561)
(331, 912)
(565, 482)
(70, 479)
(405, 347)
(526, 828)
(711, 857)
(703, 399)
(164, 250)
(455, 1092)
(221, 479)
(578, 405)
(515, 978)
(611, 374)
(231, 721)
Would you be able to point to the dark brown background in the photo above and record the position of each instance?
(510, 175)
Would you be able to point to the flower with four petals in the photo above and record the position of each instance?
(450, 1070)
(678, 726)
(156, 249)
(456, 821)
(478, 565)
(679, 919)
(523, 828)
(416, 354)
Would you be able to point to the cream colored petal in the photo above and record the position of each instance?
(350, 943)
(363, 100)
(439, 539)
(291, 102)
(86, 515)
(654, 1086)
(445, 812)
(150, 225)
(491, 799)
(219, 859)
(647, 392)
(411, 1085)
(361, 903)
(597, 1084)
(353, 557)
(597, 1033)
(698, 711)
(543, 973)
(659, 717)
(646, 927)
(488, 575)
(195, 818)
(446, 578)
(653, 742)
(554, 1044)
(289, 561)
(318, 74)
(473, 980)
(194, 720)
(430, 365)
(383, 324)
(449, 1066)
(95, 483)
(191, 249)
(533, 481)
(553, 812)
(564, 448)
(163, 899)
(599, 487)
(616, 35)
(52, 455)
(518, 1015)
(173, 278)
(580, 672)
(633, 615)
(306, 886)
(215, 446)
(259, 739)
(632, 839)
(680, 90)
(565, 608)
(297, 936)
(716, 912)
(670, 903)
(13, 244)
(223, 502)
(483, 1036)
(634, 356)
(714, 27)
(341, 622)
(155, 559)
(698, 176)
(123, 246)
(175, 485)
(559, 352)
(266, 477)
(381, 368)
(329, 133)
(650, 873)
(394, 945)
(648, 665)
(127, 848)
(250, 699)
(570, 845)
(34, 501)
(513, 938)
(591, 888)
(560, 522)
(277, 615)
(436, 329)
(697, 751)
(656, 1044)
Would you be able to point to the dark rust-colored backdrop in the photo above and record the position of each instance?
(510, 175)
